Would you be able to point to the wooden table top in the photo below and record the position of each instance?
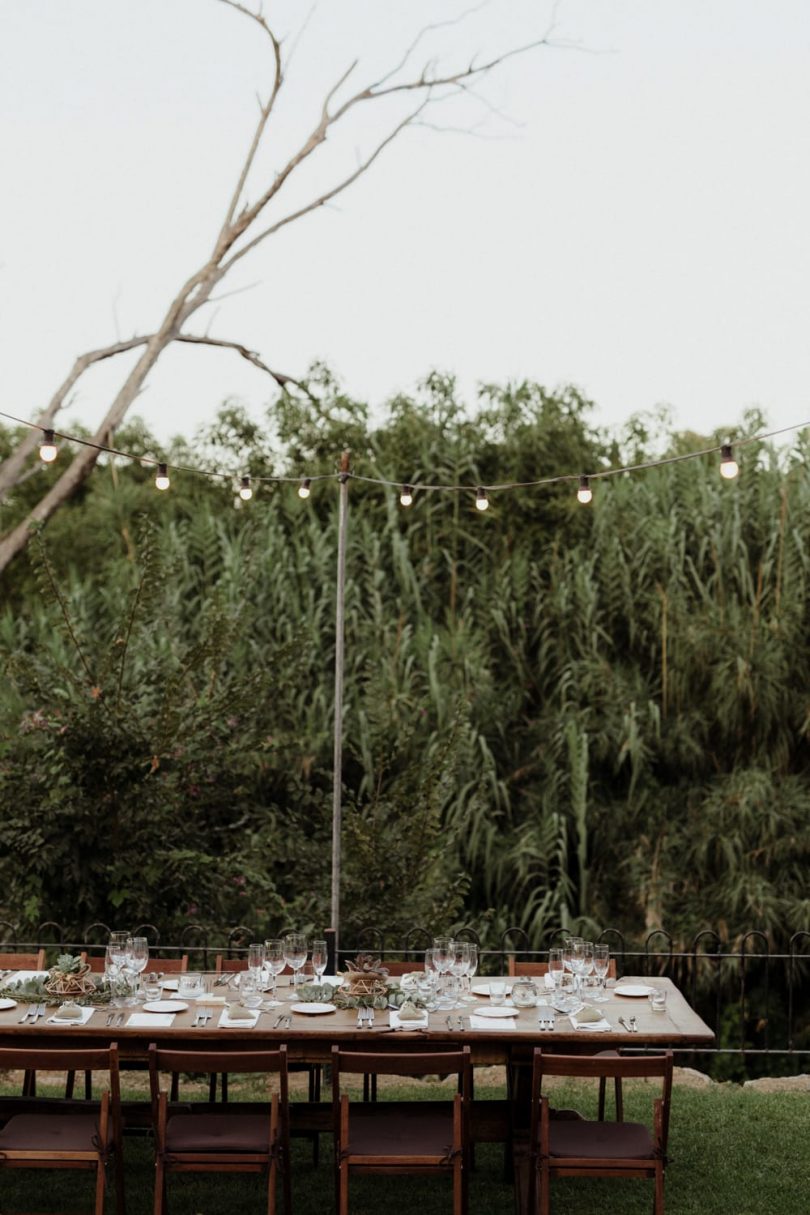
(311, 1037)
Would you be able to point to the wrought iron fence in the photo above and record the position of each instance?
(754, 996)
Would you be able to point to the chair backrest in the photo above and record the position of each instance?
(23, 961)
(395, 969)
(541, 968)
(169, 966)
(44, 1058)
(209, 1062)
(370, 1063)
(608, 1066)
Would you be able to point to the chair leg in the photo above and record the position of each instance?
(619, 1099)
(100, 1180)
(160, 1187)
(343, 1195)
(658, 1207)
(545, 1196)
(225, 1087)
(602, 1086)
(88, 1086)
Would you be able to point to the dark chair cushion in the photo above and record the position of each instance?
(608, 1140)
(224, 1132)
(51, 1132)
(380, 1131)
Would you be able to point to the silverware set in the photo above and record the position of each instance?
(459, 1024)
(631, 1025)
(115, 1020)
(365, 1018)
(546, 1021)
(225, 980)
(202, 1018)
(283, 1021)
(32, 1014)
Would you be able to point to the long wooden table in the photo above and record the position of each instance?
(310, 1038)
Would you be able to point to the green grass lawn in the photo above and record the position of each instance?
(733, 1152)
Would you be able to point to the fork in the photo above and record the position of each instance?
(30, 1010)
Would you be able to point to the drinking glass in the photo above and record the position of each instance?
(275, 962)
(459, 967)
(117, 948)
(250, 989)
(556, 966)
(295, 953)
(255, 957)
(319, 958)
(601, 965)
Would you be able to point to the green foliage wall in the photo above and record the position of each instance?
(555, 714)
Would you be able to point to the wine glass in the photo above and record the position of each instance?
(319, 959)
(117, 949)
(442, 954)
(601, 965)
(459, 966)
(137, 957)
(275, 962)
(295, 953)
(472, 967)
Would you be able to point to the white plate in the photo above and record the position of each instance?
(633, 989)
(482, 989)
(312, 1010)
(495, 1010)
(164, 1006)
(8, 1003)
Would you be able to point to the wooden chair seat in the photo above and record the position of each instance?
(227, 1132)
(606, 1140)
(52, 1133)
(384, 1130)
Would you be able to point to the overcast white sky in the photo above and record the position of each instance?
(640, 226)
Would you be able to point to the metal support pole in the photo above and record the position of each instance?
(337, 759)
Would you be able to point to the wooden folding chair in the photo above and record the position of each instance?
(22, 961)
(391, 1137)
(220, 1139)
(79, 1136)
(585, 1148)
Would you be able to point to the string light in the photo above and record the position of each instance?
(728, 465)
(584, 493)
(245, 492)
(406, 497)
(48, 451)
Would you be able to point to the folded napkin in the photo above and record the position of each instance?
(226, 1021)
(84, 1016)
(499, 1023)
(150, 1020)
(588, 1017)
(395, 1021)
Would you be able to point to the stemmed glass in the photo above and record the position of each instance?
(601, 965)
(472, 967)
(442, 955)
(136, 959)
(319, 959)
(275, 962)
(117, 949)
(459, 967)
(295, 953)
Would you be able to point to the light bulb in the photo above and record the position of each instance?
(728, 465)
(245, 492)
(584, 493)
(303, 488)
(162, 479)
(406, 497)
(481, 499)
(48, 451)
